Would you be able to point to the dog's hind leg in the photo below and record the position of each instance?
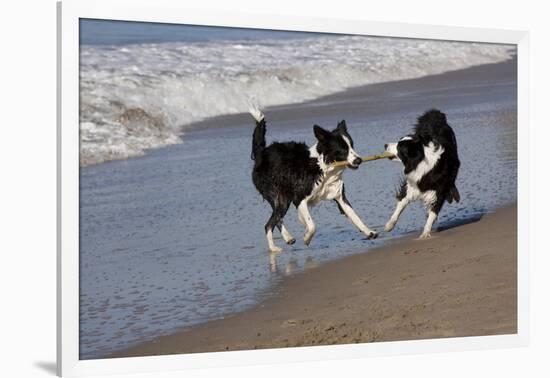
(345, 208)
(427, 232)
(273, 220)
(305, 219)
(433, 212)
(280, 208)
(287, 236)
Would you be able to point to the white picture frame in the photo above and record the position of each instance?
(167, 11)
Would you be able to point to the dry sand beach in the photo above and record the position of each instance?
(462, 282)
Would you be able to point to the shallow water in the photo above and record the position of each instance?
(175, 238)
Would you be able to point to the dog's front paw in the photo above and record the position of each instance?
(291, 241)
(372, 235)
(309, 235)
(389, 226)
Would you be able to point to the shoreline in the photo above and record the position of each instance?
(462, 282)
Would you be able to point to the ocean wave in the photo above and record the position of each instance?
(142, 96)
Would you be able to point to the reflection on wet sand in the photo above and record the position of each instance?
(289, 267)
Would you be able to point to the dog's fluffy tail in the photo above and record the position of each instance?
(453, 195)
(258, 138)
(453, 192)
(255, 111)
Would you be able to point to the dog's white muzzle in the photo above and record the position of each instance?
(392, 149)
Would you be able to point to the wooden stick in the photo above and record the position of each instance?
(383, 155)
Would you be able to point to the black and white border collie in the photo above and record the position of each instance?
(431, 165)
(292, 173)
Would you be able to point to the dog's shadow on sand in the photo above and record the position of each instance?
(452, 223)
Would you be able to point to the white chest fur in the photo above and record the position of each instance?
(330, 185)
(329, 188)
(414, 194)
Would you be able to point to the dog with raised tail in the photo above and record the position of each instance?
(430, 160)
(293, 173)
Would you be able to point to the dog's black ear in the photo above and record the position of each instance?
(342, 126)
(320, 133)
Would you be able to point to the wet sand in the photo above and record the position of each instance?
(462, 282)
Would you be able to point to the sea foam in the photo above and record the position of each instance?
(141, 96)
